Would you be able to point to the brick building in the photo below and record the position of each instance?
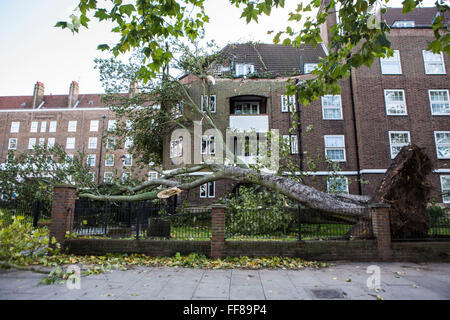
(398, 101)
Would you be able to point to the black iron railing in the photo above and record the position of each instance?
(30, 211)
(140, 220)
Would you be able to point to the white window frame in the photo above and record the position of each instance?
(445, 144)
(309, 67)
(390, 61)
(90, 160)
(125, 176)
(242, 69)
(42, 142)
(129, 125)
(205, 188)
(404, 24)
(431, 103)
(128, 143)
(34, 126)
(152, 175)
(43, 126)
(240, 106)
(69, 157)
(52, 126)
(51, 142)
(212, 103)
(14, 144)
(428, 62)
(127, 157)
(287, 103)
(335, 178)
(93, 127)
(110, 140)
(112, 124)
(443, 190)
(92, 144)
(107, 176)
(387, 105)
(31, 143)
(109, 160)
(70, 143)
(72, 126)
(206, 143)
(294, 144)
(335, 148)
(176, 148)
(334, 107)
(15, 127)
(391, 145)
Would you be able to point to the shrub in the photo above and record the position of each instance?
(22, 244)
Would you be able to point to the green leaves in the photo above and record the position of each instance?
(408, 6)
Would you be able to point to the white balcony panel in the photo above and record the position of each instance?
(259, 123)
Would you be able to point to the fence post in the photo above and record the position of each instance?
(381, 228)
(63, 208)
(218, 230)
(36, 211)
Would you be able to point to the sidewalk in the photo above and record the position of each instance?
(342, 281)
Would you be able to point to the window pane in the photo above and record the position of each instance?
(335, 154)
(334, 142)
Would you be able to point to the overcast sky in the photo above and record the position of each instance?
(33, 50)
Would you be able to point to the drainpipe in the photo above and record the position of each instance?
(101, 149)
(355, 132)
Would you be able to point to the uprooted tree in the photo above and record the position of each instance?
(353, 42)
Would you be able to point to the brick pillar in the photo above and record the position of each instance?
(218, 231)
(63, 208)
(382, 229)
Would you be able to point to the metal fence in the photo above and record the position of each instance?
(140, 220)
(296, 223)
(30, 211)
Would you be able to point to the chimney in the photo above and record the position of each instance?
(331, 21)
(38, 94)
(134, 90)
(73, 94)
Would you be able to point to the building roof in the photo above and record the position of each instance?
(277, 59)
(422, 17)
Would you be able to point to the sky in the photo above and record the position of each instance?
(32, 49)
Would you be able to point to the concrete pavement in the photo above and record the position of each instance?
(341, 281)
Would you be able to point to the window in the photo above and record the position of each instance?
(246, 108)
(12, 145)
(176, 148)
(433, 62)
(15, 127)
(72, 127)
(129, 125)
(127, 160)
(43, 126)
(208, 190)
(403, 24)
(335, 148)
(34, 126)
(31, 143)
(50, 142)
(52, 127)
(291, 141)
(110, 142)
(337, 185)
(445, 187)
(94, 126)
(70, 143)
(111, 124)
(128, 143)
(310, 67)
(69, 158)
(398, 139)
(152, 175)
(92, 143)
(109, 160)
(107, 177)
(125, 176)
(331, 107)
(243, 69)
(395, 102)
(177, 110)
(208, 145)
(41, 142)
(392, 64)
(287, 103)
(442, 140)
(91, 160)
(208, 101)
(439, 102)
